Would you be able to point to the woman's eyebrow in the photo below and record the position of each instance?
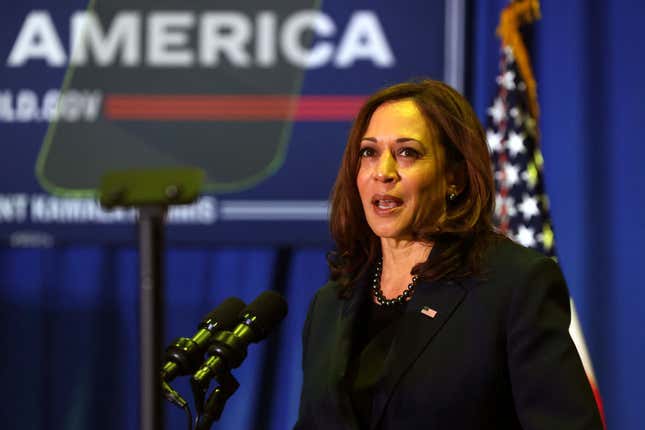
(399, 140)
(407, 139)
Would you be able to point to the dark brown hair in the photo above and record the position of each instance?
(461, 227)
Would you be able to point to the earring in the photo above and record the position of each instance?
(452, 193)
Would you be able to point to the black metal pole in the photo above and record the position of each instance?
(151, 191)
(150, 324)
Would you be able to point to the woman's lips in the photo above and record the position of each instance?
(384, 204)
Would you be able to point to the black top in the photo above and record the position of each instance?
(374, 331)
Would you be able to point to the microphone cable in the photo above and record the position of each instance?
(173, 397)
(189, 416)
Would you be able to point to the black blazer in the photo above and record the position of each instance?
(497, 355)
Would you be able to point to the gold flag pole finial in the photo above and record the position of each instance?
(516, 14)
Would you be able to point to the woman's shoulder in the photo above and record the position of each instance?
(520, 278)
(506, 263)
(332, 296)
(323, 307)
(329, 293)
(328, 290)
(506, 255)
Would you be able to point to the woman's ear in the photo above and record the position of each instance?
(456, 178)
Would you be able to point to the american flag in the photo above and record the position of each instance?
(521, 207)
(429, 312)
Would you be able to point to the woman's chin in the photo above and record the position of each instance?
(389, 231)
(392, 227)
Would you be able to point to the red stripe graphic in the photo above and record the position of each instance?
(183, 107)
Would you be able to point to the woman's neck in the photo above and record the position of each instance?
(399, 257)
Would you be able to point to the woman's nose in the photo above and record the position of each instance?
(386, 168)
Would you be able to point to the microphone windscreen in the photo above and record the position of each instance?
(269, 309)
(224, 316)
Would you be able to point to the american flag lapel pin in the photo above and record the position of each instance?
(428, 311)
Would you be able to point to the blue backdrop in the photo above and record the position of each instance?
(68, 313)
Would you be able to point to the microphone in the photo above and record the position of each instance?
(184, 355)
(228, 348)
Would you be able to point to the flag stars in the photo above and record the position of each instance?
(494, 141)
(519, 118)
(509, 176)
(521, 207)
(505, 206)
(507, 80)
(512, 174)
(515, 143)
(526, 236)
(497, 111)
(528, 207)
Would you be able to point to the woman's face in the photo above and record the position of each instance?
(400, 169)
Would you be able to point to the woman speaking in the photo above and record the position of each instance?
(431, 319)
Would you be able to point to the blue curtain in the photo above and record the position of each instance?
(68, 314)
(69, 327)
(590, 75)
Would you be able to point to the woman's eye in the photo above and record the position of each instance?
(366, 152)
(409, 152)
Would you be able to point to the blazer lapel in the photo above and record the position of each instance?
(344, 329)
(415, 333)
(345, 323)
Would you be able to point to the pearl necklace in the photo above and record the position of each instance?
(378, 292)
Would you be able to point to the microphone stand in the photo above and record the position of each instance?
(150, 192)
(214, 406)
(151, 244)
